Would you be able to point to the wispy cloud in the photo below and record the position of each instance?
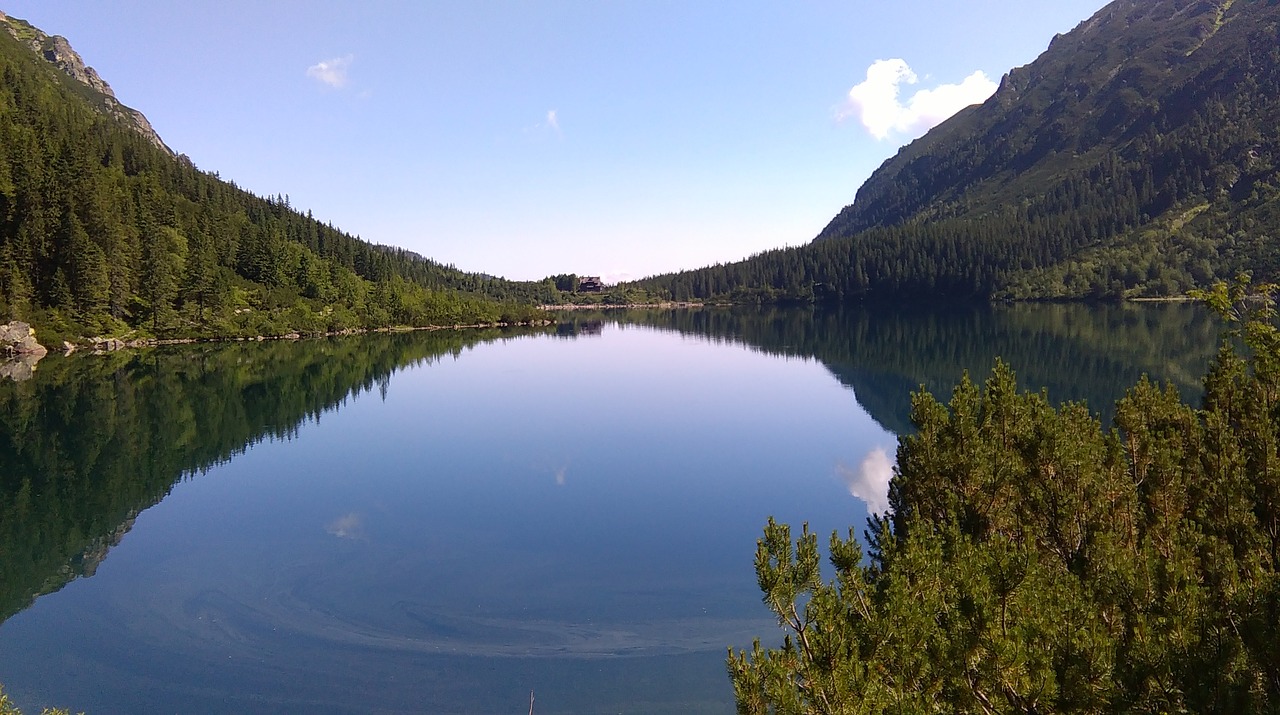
(332, 72)
(550, 124)
(877, 103)
(870, 481)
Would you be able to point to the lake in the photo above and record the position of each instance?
(448, 521)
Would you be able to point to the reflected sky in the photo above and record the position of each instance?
(575, 517)
(869, 481)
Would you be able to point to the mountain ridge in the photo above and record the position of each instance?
(1135, 157)
(105, 232)
(57, 51)
(1089, 50)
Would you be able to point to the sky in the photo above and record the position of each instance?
(614, 138)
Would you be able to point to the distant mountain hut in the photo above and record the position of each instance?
(590, 284)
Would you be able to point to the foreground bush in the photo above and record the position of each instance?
(8, 708)
(1032, 561)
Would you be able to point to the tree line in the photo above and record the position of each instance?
(1072, 183)
(103, 232)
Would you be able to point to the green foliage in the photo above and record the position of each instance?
(1136, 157)
(8, 708)
(566, 282)
(1032, 561)
(102, 231)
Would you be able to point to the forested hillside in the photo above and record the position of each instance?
(103, 230)
(1136, 157)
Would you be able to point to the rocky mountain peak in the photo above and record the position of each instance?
(57, 51)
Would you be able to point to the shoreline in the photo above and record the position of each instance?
(22, 366)
(111, 344)
(621, 306)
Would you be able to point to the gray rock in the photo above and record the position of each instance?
(18, 338)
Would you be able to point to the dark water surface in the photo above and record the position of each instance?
(443, 522)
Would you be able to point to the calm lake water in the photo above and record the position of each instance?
(443, 522)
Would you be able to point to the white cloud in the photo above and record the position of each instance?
(870, 481)
(553, 121)
(331, 72)
(877, 104)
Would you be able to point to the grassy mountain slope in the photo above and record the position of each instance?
(103, 230)
(1136, 156)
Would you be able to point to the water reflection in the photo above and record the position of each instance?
(1075, 352)
(571, 516)
(581, 328)
(93, 440)
(347, 526)
(20, 368)
(869, 481)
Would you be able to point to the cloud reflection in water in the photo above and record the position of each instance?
(870, 481)
(347, 526)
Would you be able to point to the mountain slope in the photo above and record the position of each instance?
(1136, 156)
(57, 51)
(103, 230)
(1134, 64)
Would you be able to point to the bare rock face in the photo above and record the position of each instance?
(57, 51)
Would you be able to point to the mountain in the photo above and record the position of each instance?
(57, 51)
(104, 231)
(1137, 156)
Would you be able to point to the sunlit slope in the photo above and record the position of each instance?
(1137, 156)
(104, 230)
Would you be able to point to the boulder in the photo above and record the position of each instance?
(17, 338)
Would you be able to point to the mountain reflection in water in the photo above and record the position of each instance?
(572, 510)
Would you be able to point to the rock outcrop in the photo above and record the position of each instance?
(19, 351)
(57, 51)
(17, 338)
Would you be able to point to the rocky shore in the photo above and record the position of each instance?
(125, 342)
(619, 306)
(17, 339)
(19, 350)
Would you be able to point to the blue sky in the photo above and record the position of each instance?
(617, 138)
